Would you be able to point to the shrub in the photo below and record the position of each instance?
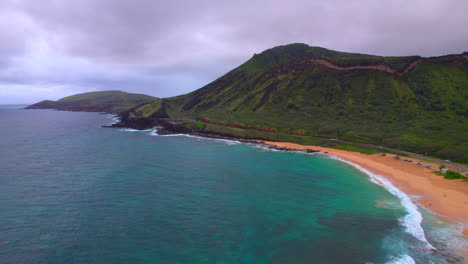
(452, 175)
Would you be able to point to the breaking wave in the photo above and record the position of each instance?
(404, 259)
(134, 130)
(154, 132)
(413, 219)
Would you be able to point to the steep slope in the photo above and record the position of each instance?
(411, 103)
(105, 101)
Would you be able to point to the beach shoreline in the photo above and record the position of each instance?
(447, 198)
(444, 197)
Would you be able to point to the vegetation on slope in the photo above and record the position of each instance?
(105, 101)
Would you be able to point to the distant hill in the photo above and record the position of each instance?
(410, 103)
(105, 101)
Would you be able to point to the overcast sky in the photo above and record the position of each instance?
(53, 48)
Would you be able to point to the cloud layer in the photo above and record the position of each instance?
(52, 48)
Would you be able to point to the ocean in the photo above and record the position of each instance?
(72, 191)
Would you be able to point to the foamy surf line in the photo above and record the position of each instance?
(404, 259)
(115, 118)
(412, 221)
(154, 132)
(134, 130)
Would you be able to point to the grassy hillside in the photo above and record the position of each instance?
(410, 103)
(105, 101)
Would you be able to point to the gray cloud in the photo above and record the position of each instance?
(14, 31)
(167, 48)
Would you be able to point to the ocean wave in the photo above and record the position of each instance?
(411, 221)
(449, 234)
(153, 132)
(128, 130)
(226, 141)
(262, 147)
(115, 118)
(404, 259)
(134, 130)
(180, 135)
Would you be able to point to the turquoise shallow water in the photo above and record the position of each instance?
(73, 192)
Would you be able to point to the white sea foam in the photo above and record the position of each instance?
(153, 132)
(263, 147)
(448, 233)
(411, 221)
(180, 135)
(226, 141)
(134, 130)
(128, 130)
(115, 118)
(404, 259)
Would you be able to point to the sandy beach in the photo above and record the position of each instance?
(448, 198)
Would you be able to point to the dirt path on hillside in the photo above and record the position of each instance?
(379, 67)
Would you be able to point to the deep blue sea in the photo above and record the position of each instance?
(74, 192)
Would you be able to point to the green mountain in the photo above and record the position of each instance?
(304, 94)
(105, 101)
(313, 95)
